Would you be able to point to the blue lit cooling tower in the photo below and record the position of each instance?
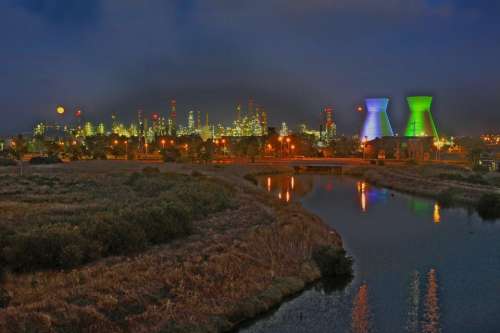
(377, 123)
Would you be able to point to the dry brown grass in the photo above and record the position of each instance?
(201, 281)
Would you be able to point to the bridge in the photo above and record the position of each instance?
(319, 168)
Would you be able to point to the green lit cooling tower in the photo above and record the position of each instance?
(420, 122)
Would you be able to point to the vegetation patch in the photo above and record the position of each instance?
(488, 206)
(7, 162)
(447, 198)
(471, 179)
(76, 221)
(333, 261)
(41, 160)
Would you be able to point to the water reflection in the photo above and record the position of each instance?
(361, 315)
(394, 290)
(362, 192)
(286, 187)
(412, 323)
(289, 187)
(432, 314)
(437, 213)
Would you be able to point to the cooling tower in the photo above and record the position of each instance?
(420, 122)
(377, 123)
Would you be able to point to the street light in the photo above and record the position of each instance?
(439, 144)
(163, 142)
(280, 139)
(223, 146)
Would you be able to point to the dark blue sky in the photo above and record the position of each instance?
(292, 56)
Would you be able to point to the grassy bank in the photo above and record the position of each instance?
(215, 250)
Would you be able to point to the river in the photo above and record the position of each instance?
(418, 268)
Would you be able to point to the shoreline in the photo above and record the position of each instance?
(239, 264)
(236, 267)
(424, 181)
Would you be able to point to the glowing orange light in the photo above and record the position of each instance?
(74, 143)
(171, 142)
(216, 142)
(280, 138)
(292, 182)
(269, 146)
(359, 109)
(223, 141)
(437, 213)
(288, 140)
(115, 142)
(361, 187)
(163, 142)
(293, 147)
(287, 196)
(268, 184)
(279, 195)
(363, 198)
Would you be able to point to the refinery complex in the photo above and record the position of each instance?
(153, 133)
(251, 122)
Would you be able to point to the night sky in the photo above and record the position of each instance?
(292, 56)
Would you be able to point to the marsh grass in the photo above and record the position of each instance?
(55, 222)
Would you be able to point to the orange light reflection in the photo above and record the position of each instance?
(437, 213)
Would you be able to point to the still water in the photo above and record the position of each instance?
(418, 268)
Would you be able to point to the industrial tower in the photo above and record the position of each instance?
(420, 122)
(329, 124)
(377, 124)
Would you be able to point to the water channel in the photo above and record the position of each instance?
(418, 267)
